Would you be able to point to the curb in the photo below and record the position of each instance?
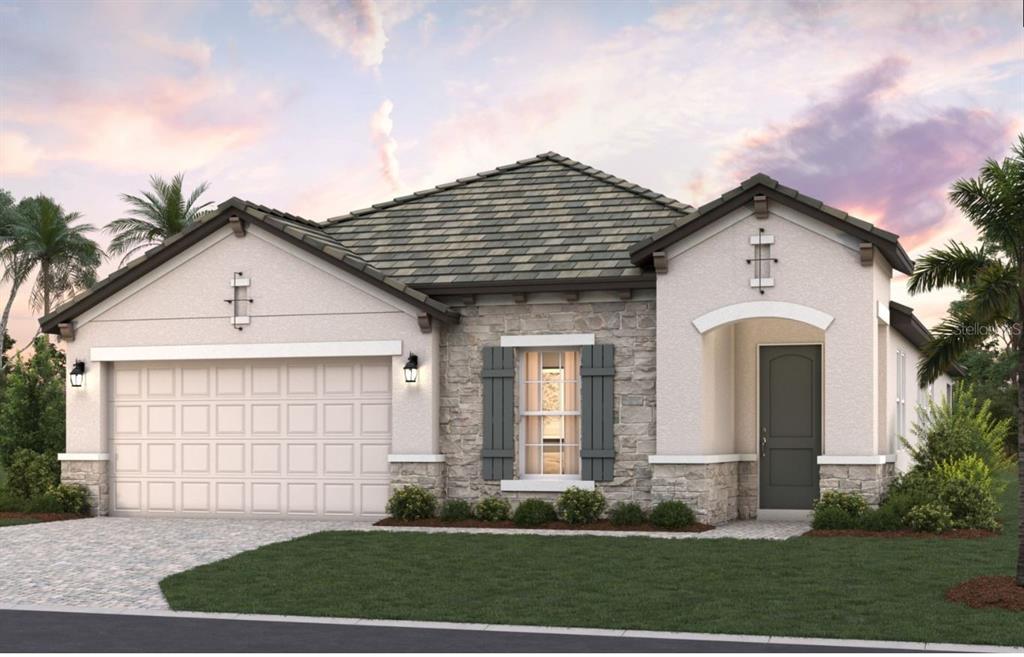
(530, 629)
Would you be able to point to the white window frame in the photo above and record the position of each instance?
(949, 394)
(901, 397)
(523, 414)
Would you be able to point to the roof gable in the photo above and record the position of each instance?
(301, 232)
(544, 218)
(887, 243)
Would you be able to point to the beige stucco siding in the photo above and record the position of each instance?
(298, 299)
(820, 269)
(916, 397)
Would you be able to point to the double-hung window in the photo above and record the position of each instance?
(550, 414)
(901, 396)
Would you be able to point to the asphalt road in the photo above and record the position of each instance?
(44, 631)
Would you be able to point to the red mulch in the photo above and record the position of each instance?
(902, 533)
(41, 517)
(987, 592)
(601, 525)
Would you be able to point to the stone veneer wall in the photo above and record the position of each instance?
(717, 492)
(426, 475)
(629, 325)
(92, 475)
(870, 481)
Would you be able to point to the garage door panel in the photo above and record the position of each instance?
(267, 438)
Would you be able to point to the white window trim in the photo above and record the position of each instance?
(415, 458)
(901, 397)
(248, 351)
(544, 484)
(521, 381)
(548, 340)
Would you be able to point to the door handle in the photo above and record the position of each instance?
(764, 440)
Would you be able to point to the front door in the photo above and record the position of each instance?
(790, 426)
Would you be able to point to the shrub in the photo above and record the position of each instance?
(929, 517)
(672, 514)
(907, 491)
(11, 502)
(493, 509)
(948, 432)
(31, 474)
(626, 514)
(853, 504)
(577, 506)
(833, 517)
(411, 503)
(73, 498)
(32, 404)
(48, 502)
(885, 518)
(534, 512)
(966, 487)
(455, 510)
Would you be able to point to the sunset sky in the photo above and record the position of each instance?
(318, 108)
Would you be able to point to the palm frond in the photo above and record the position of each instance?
(955, 265)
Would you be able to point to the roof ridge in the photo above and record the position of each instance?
(550, 156)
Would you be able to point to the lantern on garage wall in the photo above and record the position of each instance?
(411, 368)
(77, 374)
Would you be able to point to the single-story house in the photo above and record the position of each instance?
(526, 329)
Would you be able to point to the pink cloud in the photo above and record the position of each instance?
(18, 155)
(387, 148)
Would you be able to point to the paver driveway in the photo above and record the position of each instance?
(118, 562)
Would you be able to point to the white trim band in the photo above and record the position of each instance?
(83, 456)
(549, 340)
(755, 309)
(415, 458)
(698, 459)
(883, 313)
(874, 459)
(238, 351)
(543, 485)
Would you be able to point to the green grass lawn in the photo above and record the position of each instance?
(866, 588)
(6, 522)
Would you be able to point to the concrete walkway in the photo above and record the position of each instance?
(119, 562)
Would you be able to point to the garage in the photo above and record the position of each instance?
(263, 437)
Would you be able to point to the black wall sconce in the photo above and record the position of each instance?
(411, 368)
(77, 374)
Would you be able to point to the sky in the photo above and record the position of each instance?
(321, 107)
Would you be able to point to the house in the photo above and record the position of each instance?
(534, 327)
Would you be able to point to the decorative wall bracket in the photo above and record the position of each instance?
(762, 261)
(239, 301)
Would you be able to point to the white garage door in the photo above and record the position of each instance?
(260, 438)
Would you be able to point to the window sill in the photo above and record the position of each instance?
(543, 485)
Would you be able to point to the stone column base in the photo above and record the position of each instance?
(430, 476)
(749, 490)
(94, 475)
(869, 481)
(711, 489)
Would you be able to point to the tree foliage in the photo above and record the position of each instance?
(32, 404)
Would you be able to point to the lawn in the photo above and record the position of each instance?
(6, 522)
(866, 588)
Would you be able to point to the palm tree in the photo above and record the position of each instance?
(13, 262)
(44, 237)
(154, 216)
(991, 278)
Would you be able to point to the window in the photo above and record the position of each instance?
(551, 413)
(949, 394)
(901, 396)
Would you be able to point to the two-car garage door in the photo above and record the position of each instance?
(259, 438)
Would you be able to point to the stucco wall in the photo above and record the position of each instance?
(298, 298)
(818, 268)
(629, 325)
(916, 397)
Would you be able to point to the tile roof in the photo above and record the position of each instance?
(886, 241)
(544, 218)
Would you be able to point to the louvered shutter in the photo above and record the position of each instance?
(598, 446)
(499, 423)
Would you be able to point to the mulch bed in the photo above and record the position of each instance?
(601, 525)
(39, 517)
(902, 533)
(989, 592)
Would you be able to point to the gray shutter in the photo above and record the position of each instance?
(499, 424)
(598, 446)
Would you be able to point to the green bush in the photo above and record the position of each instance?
(534, 512)
(907, 491)
(73, 498)
(833, 517)
(949, 432)
(48, 502)
(493, 509)
(30, 474)
(32, 403)
(672, 514)
(577, 506)
(885, 518)
(411, 503)
(626, 514)
(966, 487)
(11, 502)
(455, 510)
(853, 504)
(929, 517)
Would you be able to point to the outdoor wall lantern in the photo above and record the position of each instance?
(411, 368)
(77, 374)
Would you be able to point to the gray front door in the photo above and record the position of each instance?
(790, 426)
